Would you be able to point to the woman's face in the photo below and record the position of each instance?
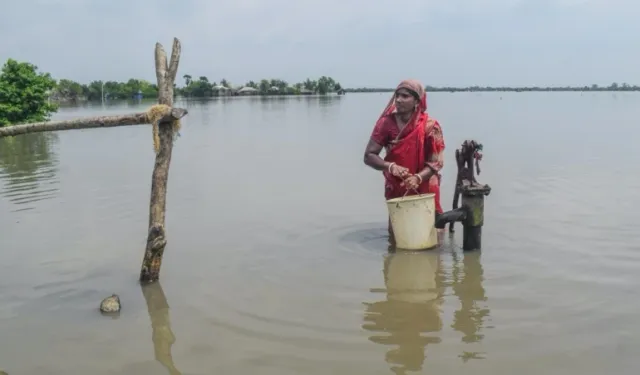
(405, 102)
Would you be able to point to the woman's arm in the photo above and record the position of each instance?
(372, 156)
(377, 141)
(434, 153)
(379, 137)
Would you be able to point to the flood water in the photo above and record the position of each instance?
(277, 261)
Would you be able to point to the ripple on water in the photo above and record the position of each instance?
(285, 274)
(71, 286)
(28, 170)
(122, 202)
(285, 298)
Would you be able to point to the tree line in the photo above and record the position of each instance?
(27, 95)
(68, 90)
(612, 87)
(202, 87)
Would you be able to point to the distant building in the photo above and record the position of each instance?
(221, 90)
(247, 91)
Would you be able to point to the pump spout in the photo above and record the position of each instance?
(448, 217)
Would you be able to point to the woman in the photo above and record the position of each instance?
(413, 142)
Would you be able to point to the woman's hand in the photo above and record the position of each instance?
(399, 171)
(412, 182)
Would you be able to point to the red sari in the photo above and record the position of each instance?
(419, 144)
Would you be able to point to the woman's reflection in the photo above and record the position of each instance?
(162, 337)
(470, 318)
(411, 310)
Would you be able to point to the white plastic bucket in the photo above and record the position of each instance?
(413, 221)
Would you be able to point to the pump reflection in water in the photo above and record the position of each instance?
(470, 319)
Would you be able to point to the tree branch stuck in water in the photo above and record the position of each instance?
(156, 236)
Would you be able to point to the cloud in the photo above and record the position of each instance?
(358, 42)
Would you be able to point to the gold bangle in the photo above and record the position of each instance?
(419, 178)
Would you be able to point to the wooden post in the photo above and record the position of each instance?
(156, 237)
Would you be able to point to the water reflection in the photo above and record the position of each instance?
(470, 318)
(162, 336)
(28, 168)
(411, 313)
(410, 318)
(199, 103)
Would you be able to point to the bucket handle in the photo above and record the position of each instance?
(405, 194)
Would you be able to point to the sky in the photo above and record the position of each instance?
(360, 43)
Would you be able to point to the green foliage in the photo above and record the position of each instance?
(69, 89)
(200, 88)
(24, 93)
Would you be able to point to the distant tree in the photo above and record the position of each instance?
(24, 93)
(264, 86)
(325, 85)
(310, 85)
(69, 89)
(93, 91)
(187, 79)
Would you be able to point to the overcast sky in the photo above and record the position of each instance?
(358, 42)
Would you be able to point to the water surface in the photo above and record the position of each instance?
(277, 261)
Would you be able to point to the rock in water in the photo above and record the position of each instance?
(110, 304)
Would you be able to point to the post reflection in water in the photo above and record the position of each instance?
(411, 316)
(411, 310)
(162, 336)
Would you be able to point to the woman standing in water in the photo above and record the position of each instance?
(413, 142)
